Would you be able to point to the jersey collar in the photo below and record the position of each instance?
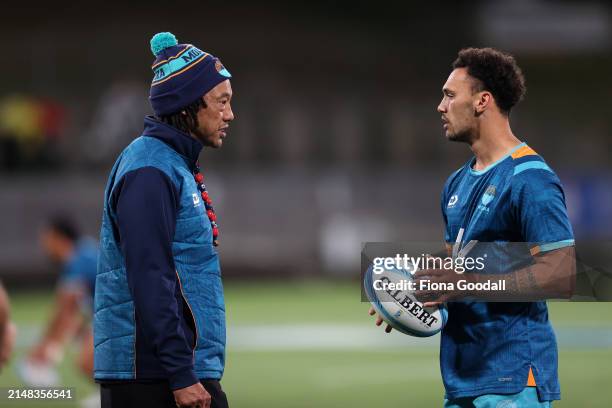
(490, 166)
(184, 144)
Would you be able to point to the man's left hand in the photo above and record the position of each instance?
(434, 277)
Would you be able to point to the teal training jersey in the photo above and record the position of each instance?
(487, 347)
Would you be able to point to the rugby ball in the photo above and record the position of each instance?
(390, 293)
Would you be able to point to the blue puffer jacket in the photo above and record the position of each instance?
(159, 307)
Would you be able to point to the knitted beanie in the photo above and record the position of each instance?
(182, 74)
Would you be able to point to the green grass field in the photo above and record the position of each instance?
(307, 344)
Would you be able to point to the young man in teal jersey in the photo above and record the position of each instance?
(508, 202)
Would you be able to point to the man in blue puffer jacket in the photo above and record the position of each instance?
(159, 319)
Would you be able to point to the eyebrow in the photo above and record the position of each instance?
(446, 90)
(224, 95)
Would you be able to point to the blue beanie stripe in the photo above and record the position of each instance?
(181, 71)
(157, 64)
(175, 67)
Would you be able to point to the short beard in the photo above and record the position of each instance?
(464, 136)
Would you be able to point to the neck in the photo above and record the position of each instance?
(494, 140)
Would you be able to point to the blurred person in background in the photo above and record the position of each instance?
(159, 319)
(7, 328)
(77, 257)
(116, 118)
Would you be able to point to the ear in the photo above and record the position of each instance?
(482, 102)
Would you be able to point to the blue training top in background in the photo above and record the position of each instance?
(81, 268)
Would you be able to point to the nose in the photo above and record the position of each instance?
(442, 107)
(228, 115)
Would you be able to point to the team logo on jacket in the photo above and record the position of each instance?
(453, 200)
(221, 69)
(196, 200)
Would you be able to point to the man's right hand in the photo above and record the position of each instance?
(194, 396)
(379, 320)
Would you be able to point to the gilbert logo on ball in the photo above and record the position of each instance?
(390, 293)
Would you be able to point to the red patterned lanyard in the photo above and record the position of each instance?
(210, 211)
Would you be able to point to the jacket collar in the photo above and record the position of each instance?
(184, 144)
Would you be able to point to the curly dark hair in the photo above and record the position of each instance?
(186, 119)
(495, 71)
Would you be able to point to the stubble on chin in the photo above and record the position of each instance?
(214, 143)
(461, 137)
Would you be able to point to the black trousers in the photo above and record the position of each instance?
(153, 395)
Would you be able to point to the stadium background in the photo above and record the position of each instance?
(336, 142)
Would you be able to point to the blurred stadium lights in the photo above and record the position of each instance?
(547, 27)
(337, 139)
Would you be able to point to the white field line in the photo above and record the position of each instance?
(347, 337)
(320, 337)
